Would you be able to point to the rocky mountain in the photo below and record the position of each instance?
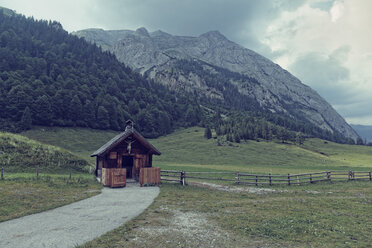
(273, 88)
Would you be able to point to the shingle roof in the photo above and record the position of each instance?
(122, 136)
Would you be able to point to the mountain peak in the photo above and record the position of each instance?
(214, 34)
(160, 33)
(273, 88)
(142, 31)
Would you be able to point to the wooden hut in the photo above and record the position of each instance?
(126, 156)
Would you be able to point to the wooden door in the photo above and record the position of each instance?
(127, 163)
(118, 177)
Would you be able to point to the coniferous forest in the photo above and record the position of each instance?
(52, 78)
(49, 77)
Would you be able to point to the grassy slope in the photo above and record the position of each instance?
(79, 141)
(187, 149)
(21, 154)
(21, 193)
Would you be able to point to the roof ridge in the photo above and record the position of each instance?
(121, 136)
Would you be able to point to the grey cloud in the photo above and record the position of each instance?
(325, 74)
(323, 5)
(357, 109)
(330, 79)
(241, 20)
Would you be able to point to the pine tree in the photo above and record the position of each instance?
(89, 115)
(207, 133)
(359, 141)
(43, 113)
(103, 118)
(76, 109)
(229, 137)
(236, 138)
(26, 120)
(300, 138)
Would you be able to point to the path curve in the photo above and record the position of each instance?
(79, 222)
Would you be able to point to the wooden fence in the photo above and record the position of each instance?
(37, 173)
(266, 179)
(149, 176)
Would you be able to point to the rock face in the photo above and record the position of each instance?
(154, 54)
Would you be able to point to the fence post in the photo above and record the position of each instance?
(270, 178)
(298, 180)
(311, 178)
(349, 176)
(256, 181)
(289, 179)
(2, 173)
(237, 178)
(329, 176)
(182, 178)
(370, 176)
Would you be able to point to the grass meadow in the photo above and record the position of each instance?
(79, 141)
(313, 215)
(188, 150)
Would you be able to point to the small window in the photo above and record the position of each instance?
(113, 155)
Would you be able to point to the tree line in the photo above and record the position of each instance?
(49, 77)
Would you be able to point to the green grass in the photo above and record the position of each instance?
(320, 215)
(316, 215)
(21, 154)
(24, 194)
(79, 141)
(187, 149)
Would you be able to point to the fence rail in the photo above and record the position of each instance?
(266, 179)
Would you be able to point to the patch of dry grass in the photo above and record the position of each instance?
(24, 196)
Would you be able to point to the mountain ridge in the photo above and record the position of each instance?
(152, 53)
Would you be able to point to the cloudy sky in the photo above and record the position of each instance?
(327, 44)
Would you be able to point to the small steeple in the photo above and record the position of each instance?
(129, 125)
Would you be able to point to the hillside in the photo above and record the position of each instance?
(20, 154)
(49, 77)
(274, 89)
(187, 149)
(79, 141)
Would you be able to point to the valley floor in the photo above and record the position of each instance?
(316, 215)
(321, 215)
(187, 149)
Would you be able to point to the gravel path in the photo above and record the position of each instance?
(78, 222)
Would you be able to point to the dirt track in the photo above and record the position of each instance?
(78, 222)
